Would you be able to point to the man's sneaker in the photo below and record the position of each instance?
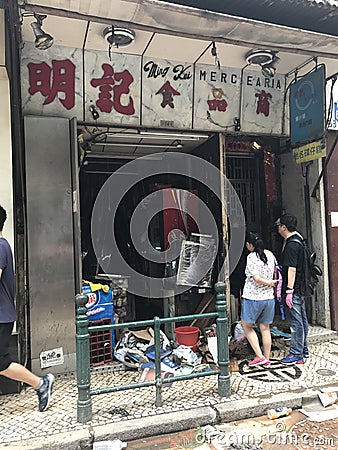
(292, 359)
(258, 362)
(306, 352)
(45, 391)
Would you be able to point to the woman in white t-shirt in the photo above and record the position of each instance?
(258, 303)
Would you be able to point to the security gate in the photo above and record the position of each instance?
(242, 172)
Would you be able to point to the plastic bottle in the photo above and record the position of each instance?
(278, 412)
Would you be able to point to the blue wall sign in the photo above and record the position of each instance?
(307, 107)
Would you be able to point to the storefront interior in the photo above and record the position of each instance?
(104, 151)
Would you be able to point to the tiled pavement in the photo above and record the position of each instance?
(20, 420)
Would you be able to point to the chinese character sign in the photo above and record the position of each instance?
(332, 104)
(216, 99)
(307, 107)
(309, 152)
(262, 103)
(113, 87)
(51, 83)
(167, 92)
(131, 90)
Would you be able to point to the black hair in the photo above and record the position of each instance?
(289, 221)
(258, 245)
(3, 217)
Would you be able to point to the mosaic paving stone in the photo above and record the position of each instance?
(19, 418)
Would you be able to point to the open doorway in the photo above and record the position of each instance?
(104, 153)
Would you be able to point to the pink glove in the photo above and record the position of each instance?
(288, 300)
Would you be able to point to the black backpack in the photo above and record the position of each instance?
(311, 270)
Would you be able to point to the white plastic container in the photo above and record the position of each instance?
(116, 444)
(278, 412)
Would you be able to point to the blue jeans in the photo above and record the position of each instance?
(296, 316)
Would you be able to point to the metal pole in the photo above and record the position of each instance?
(305, 173)
(224, 388)
(84, 401)
(157, 339)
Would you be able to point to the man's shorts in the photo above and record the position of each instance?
(258, 311)
(5, 336)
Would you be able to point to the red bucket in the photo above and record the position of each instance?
(187, 335)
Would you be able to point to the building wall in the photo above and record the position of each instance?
(6, 189)
(293, 202)
(292, 190)
(319, 238)
(332, 229)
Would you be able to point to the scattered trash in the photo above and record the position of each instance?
(186, 355)
(313, 408)
(327, 398)
(275, 332)
(149, 374)
(115, 444)
(212, 344)
(278, 412)
(119, 411)
(136, 348)
(233, 366)
(239, 334)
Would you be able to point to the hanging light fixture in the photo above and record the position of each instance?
(267, 59)
(118, 37)
(42, 40)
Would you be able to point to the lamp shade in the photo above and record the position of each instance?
(42, 40)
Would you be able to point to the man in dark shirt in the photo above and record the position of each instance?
(8, 368)
(292, 261)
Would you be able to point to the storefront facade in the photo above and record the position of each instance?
(89, 107)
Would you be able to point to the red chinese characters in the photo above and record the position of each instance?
(263, 105)
(50, 81)
(110, 92)
(217, 103)
(168, 93)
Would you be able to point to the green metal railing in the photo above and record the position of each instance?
(84, 403)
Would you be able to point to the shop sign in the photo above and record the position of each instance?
(51, 358)
(113, 87)
(217, 94)
(51, 85)
(262, 103)
(167, 93)
(239, 146)
(132, 90)
(309, 152)
(307, 110)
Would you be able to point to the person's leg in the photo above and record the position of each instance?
(252, 337)
(18, 372)
(305, 323)
(9, 369)
(265, 319)
(266, 339)
(42, 385)
(249, 312)
(295, 318)
(297, 326)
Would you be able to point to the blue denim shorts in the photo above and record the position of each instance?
(258, 311)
